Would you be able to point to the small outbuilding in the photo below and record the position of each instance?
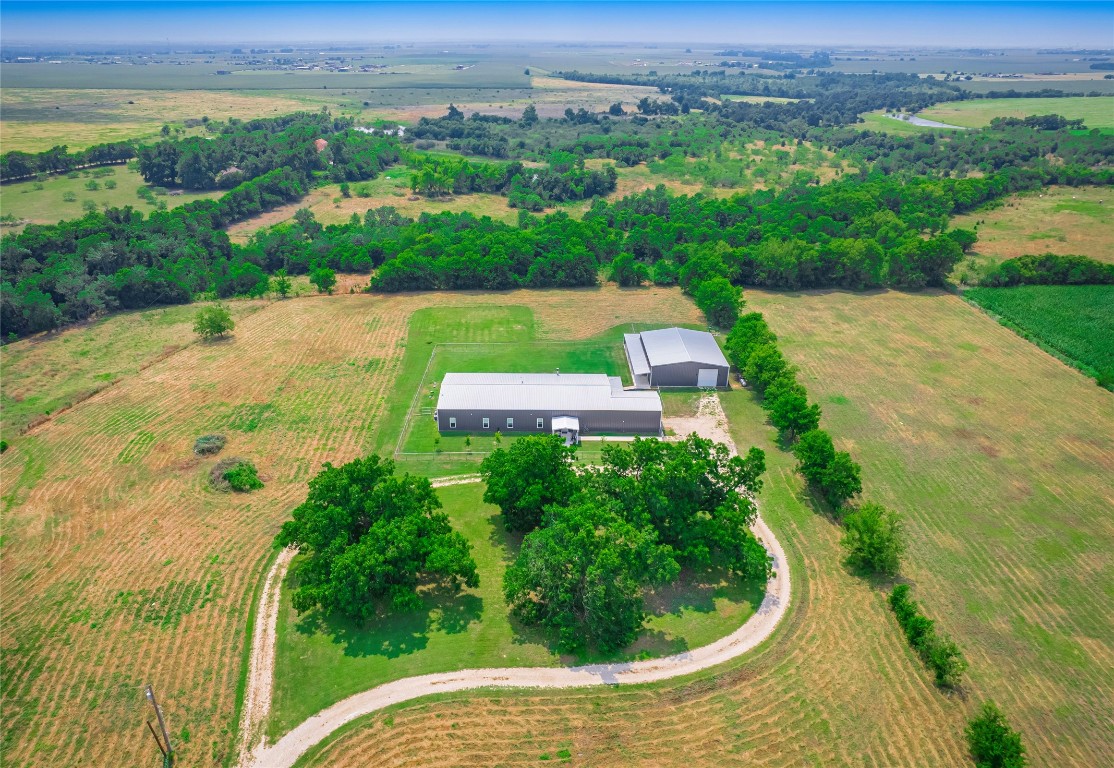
(675, 357)
(552, 403)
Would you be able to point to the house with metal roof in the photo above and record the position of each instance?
(675, 357)
(567, 404)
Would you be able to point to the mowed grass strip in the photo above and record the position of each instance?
(835, 685)
(1075, 322)
(322, 659)
(122, 572)
(1000, 459)
(1096, 111)
(1067, 221)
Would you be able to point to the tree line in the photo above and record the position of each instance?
(58, 159)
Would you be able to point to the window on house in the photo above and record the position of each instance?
(487, 423)
(510, 423)
(452, 423)
(541, 423)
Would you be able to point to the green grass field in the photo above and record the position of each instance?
(1097, 111)
(1074, 322)
(45, 202)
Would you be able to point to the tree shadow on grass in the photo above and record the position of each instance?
(396, 633)
(697, 589)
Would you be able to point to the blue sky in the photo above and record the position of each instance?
(1001, 23)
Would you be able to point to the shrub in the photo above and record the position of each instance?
(235, 474)
(993, 743)
(938, 652)
(3, 446)
(208, 444)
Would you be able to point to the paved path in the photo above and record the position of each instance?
(318, 727)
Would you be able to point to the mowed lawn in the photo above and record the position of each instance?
(1075, 322)
(322, 659)
(1067, 221)
(1096, 111)
(122, 567)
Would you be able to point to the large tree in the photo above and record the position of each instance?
(370, 536)
(522, 480)
(581, 575)
(694, 493)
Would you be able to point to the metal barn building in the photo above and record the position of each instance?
(558, 403)
(675, 357)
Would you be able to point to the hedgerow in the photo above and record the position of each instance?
(939, 652)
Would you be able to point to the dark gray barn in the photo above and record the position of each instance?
(569, 404)
(676, 357)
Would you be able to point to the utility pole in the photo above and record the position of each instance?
(168, 752)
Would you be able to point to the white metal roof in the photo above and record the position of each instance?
(570, 423)
(680, 345)
(639, 365)
(542, 392)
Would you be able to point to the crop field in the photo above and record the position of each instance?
(997, 456)
(1074, 322)
(1066, 221)
(121, 565)
(1096, 111)
(61, 197)
(321, 660)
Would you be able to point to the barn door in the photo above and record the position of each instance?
(707, 377)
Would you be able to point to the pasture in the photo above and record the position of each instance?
(321, 660)
(123, 567)
(1096, 111)
(69, 196)
(1073, 322)
(997, 457)
(1067, 221)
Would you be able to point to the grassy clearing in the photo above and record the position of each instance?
(121, 566)
(57, 198)
(320, 660)
(753, 165)
(1062, 220)
(1074, 322)
(1096, 111)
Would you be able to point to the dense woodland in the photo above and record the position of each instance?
(885, 224)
